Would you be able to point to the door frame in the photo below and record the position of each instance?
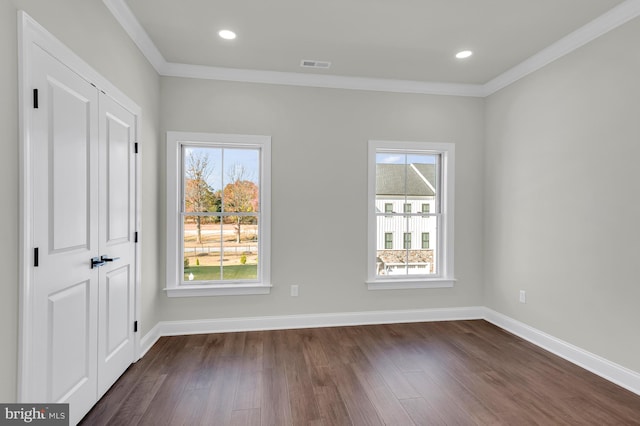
(31, 34)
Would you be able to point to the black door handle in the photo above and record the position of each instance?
(96, 262)
(104, 258)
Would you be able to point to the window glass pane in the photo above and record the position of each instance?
(426, 208)
(422, 175)
(388, 207)
(391, 173)
(407, 208)
(202, 179)
(389, 258)
(202, 238)
(241, 180)
(240, 248)
(408, 257)
(423, 260)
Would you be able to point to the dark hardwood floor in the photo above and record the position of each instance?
(440, 373)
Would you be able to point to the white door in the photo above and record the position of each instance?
(116, 241)
(83, 188)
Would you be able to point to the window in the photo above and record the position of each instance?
(420, 174)
(407, 241)
(218, 214)
(388, 240)
(425, 240)
(388, 207)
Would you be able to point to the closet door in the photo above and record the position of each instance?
(83, 180)
(64, 135)
(116, 242)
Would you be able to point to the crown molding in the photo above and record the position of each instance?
(319, 80)
(615, 17)
(125, 17)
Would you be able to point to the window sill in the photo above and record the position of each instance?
(218, 290)
(404, 284)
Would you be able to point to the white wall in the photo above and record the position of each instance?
(562, 198)
(319, 151)
(88, 28)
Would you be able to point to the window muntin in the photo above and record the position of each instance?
(420, 175)
(217, 214)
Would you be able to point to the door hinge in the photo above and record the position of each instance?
(135, 147)
(135, 326)
(135, 237)
(35, 98)
(36, 260)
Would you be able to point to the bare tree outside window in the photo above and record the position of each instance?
(198, 194)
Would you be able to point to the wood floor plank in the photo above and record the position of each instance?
(132, 410)
(222, 393)
(330, 404)
(275, 409)
(359, 406)
(249, 417)
(302, 401)
(421, 413)
(380, 358)
(460, 372)
(389, 408)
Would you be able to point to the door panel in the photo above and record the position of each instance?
(118, 137)
(116, 345)
(118, 316)
(64, 137)
(69, 309)
(69, 138)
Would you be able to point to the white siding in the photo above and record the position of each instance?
(398, 225)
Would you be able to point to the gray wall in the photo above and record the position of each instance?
(319, 188)
(562, 208)
(88, 28)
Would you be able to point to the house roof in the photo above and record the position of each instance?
(420, 179)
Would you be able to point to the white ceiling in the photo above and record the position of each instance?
(410, 40)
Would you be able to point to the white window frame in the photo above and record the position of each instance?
(445, 237)
(175, 142)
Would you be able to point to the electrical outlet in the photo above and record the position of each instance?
(294, 290)
(523, 296)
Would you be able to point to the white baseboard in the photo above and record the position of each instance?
(604, 368)
(149, 340)
(225, 325)
(615, 373)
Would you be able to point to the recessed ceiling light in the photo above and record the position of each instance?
(227, 34)
(464, 54)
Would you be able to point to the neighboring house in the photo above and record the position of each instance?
(406, 234)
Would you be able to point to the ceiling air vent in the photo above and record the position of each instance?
(314, 64)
